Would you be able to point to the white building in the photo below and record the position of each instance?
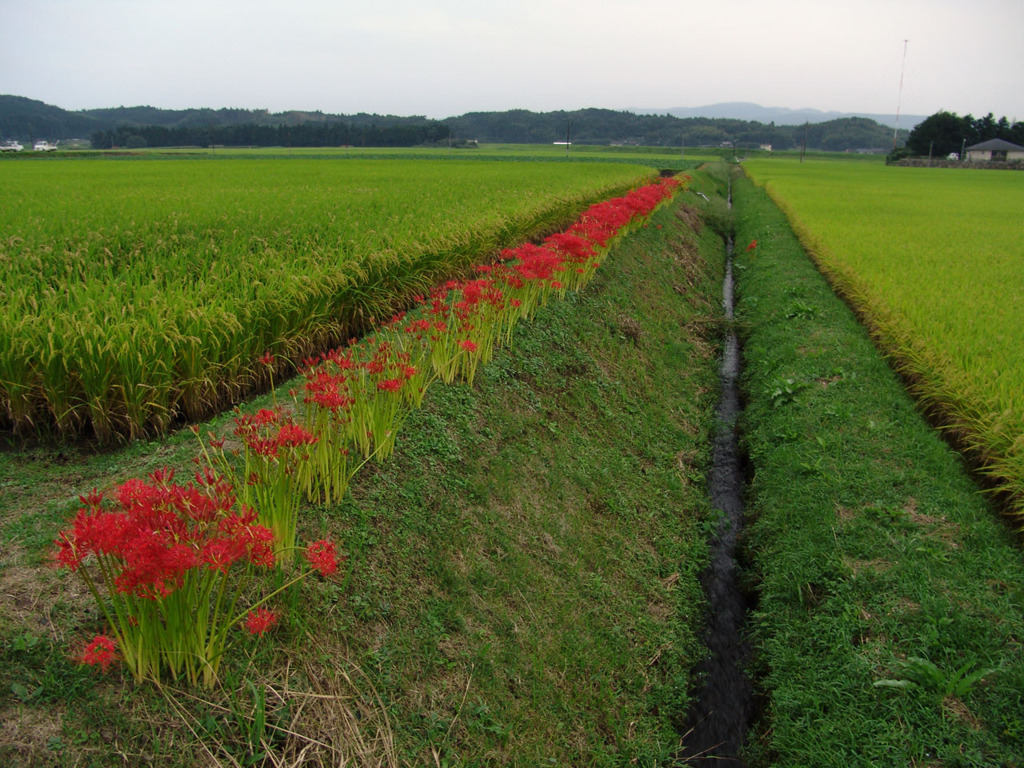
(995, 151)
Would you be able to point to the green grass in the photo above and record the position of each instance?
(931, 258)
(869, 545)
(524, 570)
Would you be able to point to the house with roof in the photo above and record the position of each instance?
(995, 151)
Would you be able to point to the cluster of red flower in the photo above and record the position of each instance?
(267, 432)
(161, 553)
(162, 530)
(354, 400)
(168, 549)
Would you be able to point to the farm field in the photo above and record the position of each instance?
(519, 581)
(932, 259)
(523, 569)
(137, 292)
(655, 157)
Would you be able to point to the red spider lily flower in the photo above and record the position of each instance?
(537, 263)
(267, 358)
(389, 385)
(292, 436)
(265, 416)
(331, 400)
(101, 652)
(468, 345)
(221, 554)
(137, 491)
(288, 434)
(91, 499)
(156, 538)
(323, 557)
(262, 447)
(752, 246)
(257, 540)
(161, 531)
(418, 326)
(575, 247)
(260, 620)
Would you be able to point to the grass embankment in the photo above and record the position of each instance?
(930, 258)
(524, 569)
(891, 613)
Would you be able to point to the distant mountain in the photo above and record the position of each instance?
(606, 126)
(191, 118)
(29, 120)
(744, 110)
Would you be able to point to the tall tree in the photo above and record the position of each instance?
(940, 134)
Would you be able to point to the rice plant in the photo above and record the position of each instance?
(137, 293)
(932, 259)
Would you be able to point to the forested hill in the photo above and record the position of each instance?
(605, 126)
(28, 120)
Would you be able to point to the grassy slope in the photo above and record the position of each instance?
(918, 251)
(872, 544)
(524, 585)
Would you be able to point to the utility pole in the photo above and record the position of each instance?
(568, 130)
(899, 97)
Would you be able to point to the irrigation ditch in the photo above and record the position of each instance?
(888, 620)
(723, 708)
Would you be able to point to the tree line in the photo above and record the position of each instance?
(150, 126)
(603, 126)
(946, 132)
(333, 134)
(587, 126)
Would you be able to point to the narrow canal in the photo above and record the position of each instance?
(723, 708)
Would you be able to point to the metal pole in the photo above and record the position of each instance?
(899, 97)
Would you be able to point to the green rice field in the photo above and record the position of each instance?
(137, 291)
(932, 259)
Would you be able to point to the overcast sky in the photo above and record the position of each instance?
(442, 58)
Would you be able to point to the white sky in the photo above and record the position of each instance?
(442, 58)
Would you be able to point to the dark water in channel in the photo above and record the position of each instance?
(720, 717)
